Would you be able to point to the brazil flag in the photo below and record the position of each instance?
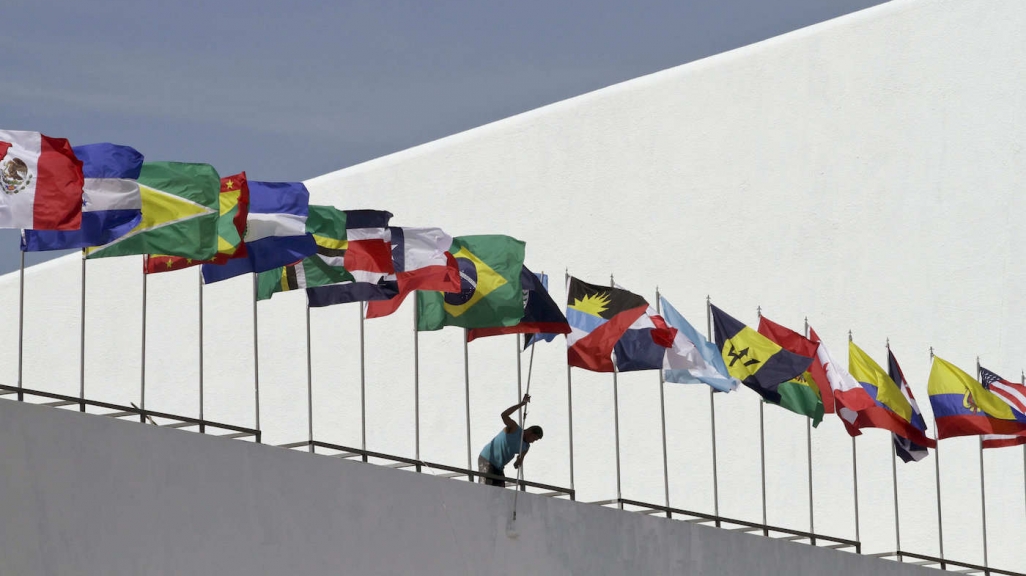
(490, 292)
(776, 374)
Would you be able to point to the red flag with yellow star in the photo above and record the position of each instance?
(231, 228)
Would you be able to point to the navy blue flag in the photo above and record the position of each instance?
(542, 317)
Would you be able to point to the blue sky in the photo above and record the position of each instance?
(291, 90)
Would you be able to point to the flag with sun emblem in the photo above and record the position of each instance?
(599, 316)
(490, 292)
(231, 226)
(757, 361)
(962, 406)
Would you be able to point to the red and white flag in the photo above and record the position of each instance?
(422, 262)
(40, 182)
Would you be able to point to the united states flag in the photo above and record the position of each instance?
(1012, 394)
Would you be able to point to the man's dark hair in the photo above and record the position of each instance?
(537, 431)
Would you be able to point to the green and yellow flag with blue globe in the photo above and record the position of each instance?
(490, 293)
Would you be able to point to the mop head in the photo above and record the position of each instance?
(511, 528)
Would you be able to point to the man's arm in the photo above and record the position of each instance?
(511, 426)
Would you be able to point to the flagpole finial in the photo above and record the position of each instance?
(1023, 377)
(758, 310)
(849, 335)
(611, 281)
(888, 344)
(931, 352)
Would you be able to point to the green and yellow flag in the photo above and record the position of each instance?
(180, 206)
(776, 374)
(328, 227)
(490, 293)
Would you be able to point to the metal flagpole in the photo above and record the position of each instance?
(762, 447)
(616, 423)
(416, 386)
(81, 339)
(808, 447)
(712, 417)
(1022, 379)
(466, 383)
(199, 270)
(21, 323)
(520, 395)
(936, 469)
(662, 413)
(142, 366)
(983, 484)
(256, 356)
(569, 399)
(894, 482)
(309, 382)
(855, 476)
(363, 391)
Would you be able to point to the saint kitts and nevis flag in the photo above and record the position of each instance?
(180, 208)
(231, 226)
(962, 406)
(541, 314)
(490, 294)
(41, 182)
(800, 394)
(766, 367)
(111, 205)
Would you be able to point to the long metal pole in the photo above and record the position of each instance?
(712, 417)
(616, 423)
(416, 387)
(662, 414)
(21, 323)
(199, 275)
(569, 400)
(142, 364)
(256, 356)
(309, 382)
(855, 476)
(520, 394)
(81, 339)
(894, 482)
(762, 448)
(983, 483)
(808, 447)
(363, 390)
(936, 471)
(466, 395)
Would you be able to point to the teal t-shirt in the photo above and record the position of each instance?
(501, 450)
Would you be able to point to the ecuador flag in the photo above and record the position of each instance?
(231, 226)
(964, 407)
(764, 366)
(490, 291)
(180, 208)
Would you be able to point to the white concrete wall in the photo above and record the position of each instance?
(865, 173)
(91, 496)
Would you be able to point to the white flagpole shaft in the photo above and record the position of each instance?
(21, 324)
(616, 423)
(81, 339)
(309, 382)
(712, 417)
(940, 518)
(466, 395)
(983, 505)
(894, 482)
(808, 447)
(855, 484)
(570, 420)
(363, 389)
(662, 413)
(416, 387)
(256, 357)
(520, 394)
(199, 270)
(762, 459)
(142, 364)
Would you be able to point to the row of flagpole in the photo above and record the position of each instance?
(712, 406)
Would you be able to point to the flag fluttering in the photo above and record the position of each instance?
(964, 407)
(421, 261)
(800, 394)
(41, 182)
(541, 313)
(598, 317)
(906, 448)
(693, 359)
(1014, 394)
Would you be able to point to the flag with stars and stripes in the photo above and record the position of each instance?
(1013, 394)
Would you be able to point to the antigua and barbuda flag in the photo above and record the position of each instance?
(275, 231)
(41, 182)
(1014, 394)
(541, 313)
(964, 407)
(111, 204)
(693, 359)
(490, 293)
(231, 226)
(906, 449)
(599, 316)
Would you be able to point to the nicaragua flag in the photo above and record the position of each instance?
(275, 231)
(693, 359)
(111, 204)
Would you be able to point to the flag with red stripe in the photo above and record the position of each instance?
(40, 182)
(1012, 394)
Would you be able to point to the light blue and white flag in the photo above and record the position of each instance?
(111, 205)
(275, 231)
(693, 359)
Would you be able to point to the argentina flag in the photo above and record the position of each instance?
(111, 204)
